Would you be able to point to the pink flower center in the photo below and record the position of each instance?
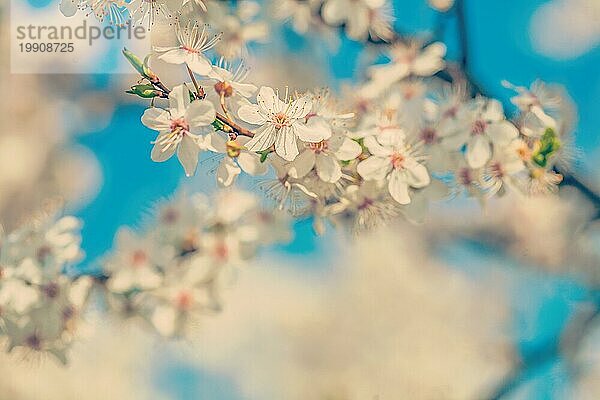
(184, 300)
(180, 125)
(464, 176)
(221, 252)
(397, 160)
(428, 135)
(319, 147)
(138, 258)
(366, 204)
(479, 127)
(280, 120)
(451, 112)
(190, 49)
(496, 170)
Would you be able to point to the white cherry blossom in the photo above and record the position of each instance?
(325, 156)
(483, 124)
(236, 158)
(180, 128)
(393, 159)
(282, 123)
(502, 169)
(229, 81)
(136, 264)
(194, 41)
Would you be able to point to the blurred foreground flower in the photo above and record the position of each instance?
(173, 273)
(40, 304)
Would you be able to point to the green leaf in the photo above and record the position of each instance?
(218, 125)
(263, 155)
(548, 146)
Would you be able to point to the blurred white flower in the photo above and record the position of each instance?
(384, 320)
(135, 263)
(397, 162)
(483, 124)
(361, 17)
(239, 28)
(503, 167)
(409, 59)
(565, 29)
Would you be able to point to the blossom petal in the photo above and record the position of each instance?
(302, 165)
(375, 148)
(334, 11)
(251, 114)
(244, 89)
(250, 163)
(430, 60)
(478, 151)
(374, 168)
(348, 150)
(174, 56)
(387, 73)
(417, 175)
(300, 108)
(313, 132)
(357, 25)
(285, 144)
(328, 168)
(398, 188)
(227, 172)
(269, 101)
(179, 98)
(159, 154)
(199, 64)
(215, 142)
(493, 111)
(263, 138)
(502, 133)
(188, 154)
(220, 74)
(200, 113)
(157, 119)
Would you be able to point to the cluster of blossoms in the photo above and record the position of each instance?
(171, 274)
(403, 138)
(40, 304)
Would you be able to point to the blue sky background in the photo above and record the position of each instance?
(500, 48)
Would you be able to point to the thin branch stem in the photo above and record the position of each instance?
(199, 90)
(235, 128)
(224, 106)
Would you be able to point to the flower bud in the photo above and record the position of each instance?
(224, 89)
(144, 91)
(233, 148)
